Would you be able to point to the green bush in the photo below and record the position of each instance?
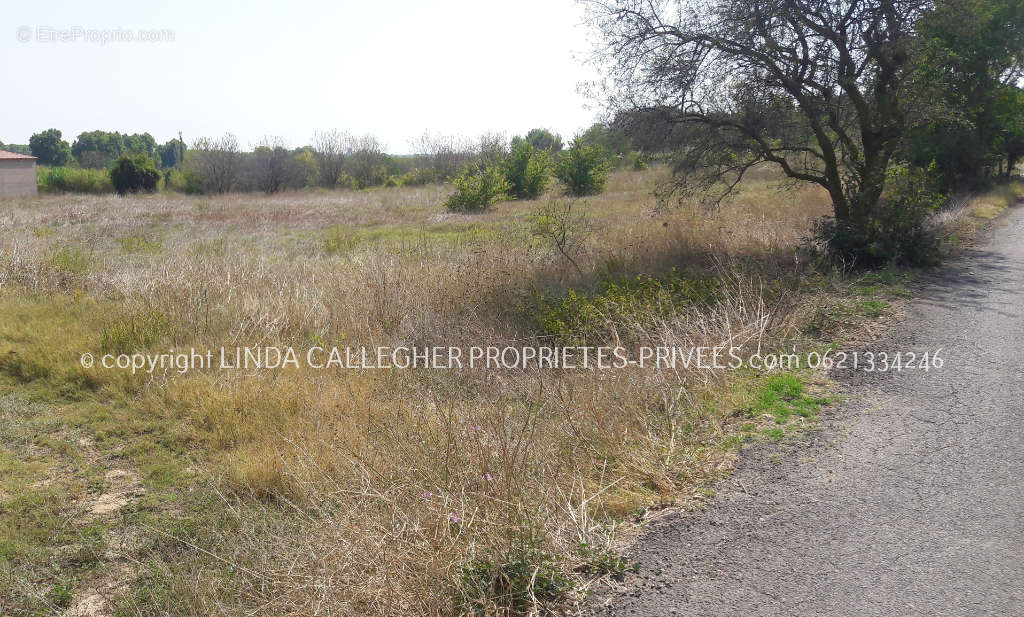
(477, 189)
(510, 585)
(579, 318)
(527, 170)
(134, 174)
(418, 176)
(73, 180)
(583, 168)
(636, 161)
(175, 180)
(896, 232)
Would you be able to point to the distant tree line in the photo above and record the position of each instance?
(333, 159)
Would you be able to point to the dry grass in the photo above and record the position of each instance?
(350, 492)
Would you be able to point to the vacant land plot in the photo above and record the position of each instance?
(346, 491)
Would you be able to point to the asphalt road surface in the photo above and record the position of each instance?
(909, 501)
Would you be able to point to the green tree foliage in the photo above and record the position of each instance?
(969, 59)
(49, 148)
(527, 170)
(477, 189)
(651, 130)
(134, 173)
(582, 168)
(543, 139)
(814, 87)
(97, 149)
(172, 153)
(609, 138)
(898, 233)
(16, 148)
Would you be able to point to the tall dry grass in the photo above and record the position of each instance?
(383, 492)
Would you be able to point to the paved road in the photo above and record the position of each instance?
(910, 501)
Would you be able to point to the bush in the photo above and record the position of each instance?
(511, 585)
(418, 177)
(73, 180)
(580, 318)
(636, 161)
(477, 189)
(176, 180)
(583, 169)
(896, 232)
(134, 174)
(527, 170)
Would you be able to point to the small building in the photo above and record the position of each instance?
(17, 175)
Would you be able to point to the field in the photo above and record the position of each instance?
(340, 491)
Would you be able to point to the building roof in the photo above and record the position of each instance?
(4, 154)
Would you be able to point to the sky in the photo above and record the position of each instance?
(392, 68)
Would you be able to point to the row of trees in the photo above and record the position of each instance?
(97, 149)
(523, 171)
(883, 103)
(219, 165)
(333, 159)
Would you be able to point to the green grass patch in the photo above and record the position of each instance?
(139, 244)
(872, 309)
(784, 396)
(342, 239)
(71, 260)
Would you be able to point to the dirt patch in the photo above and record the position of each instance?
(122, 487)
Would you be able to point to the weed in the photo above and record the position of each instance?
(71, 260)
(60, 596)
(872, 309)
(604, 561)
(139, 244)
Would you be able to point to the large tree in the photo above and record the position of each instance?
(815, 87)
(970, 60)
(49, 148)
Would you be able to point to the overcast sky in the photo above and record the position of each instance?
(392, 68)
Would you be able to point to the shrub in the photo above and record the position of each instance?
(511, 585)
(73, 180)
(637, 161)
(527, 170)
(176, 180)
(418, 176)
(583, 169)
(580, 318)
(134, 174)
(896, 232)
(477, 189)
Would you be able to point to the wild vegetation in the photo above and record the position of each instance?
(384, 492)
(769, 210)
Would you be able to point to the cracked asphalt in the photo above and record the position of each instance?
(908, 501)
